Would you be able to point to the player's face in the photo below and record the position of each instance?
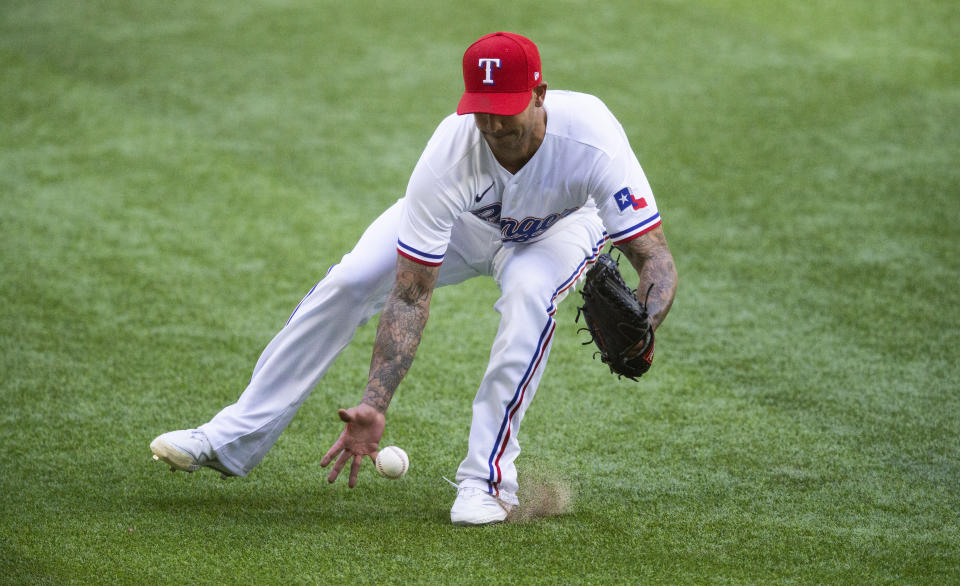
(518, 134)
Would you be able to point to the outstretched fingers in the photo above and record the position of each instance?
(338, 467)
(338, 446)
(335, 449)
(355, 470)
(360, 437)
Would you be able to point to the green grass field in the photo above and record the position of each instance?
(174, 176)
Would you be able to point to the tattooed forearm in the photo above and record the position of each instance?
(398, 334)
(650, 256)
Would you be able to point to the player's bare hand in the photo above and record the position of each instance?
(360, 437)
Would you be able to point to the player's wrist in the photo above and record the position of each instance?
(374, 402)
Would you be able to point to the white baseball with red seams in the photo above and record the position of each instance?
(534, 232)
(392, 462)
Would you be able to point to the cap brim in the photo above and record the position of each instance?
(500, 103)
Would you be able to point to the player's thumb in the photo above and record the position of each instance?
(345, 415)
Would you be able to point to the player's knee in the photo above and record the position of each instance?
(523, 297)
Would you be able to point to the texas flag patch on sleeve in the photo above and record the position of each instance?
(625, 199)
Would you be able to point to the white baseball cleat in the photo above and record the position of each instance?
(476, 507)
(187, 450)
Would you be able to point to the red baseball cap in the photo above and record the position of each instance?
(499, 72)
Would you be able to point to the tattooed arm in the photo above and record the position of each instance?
(650, 256)
(398, 335)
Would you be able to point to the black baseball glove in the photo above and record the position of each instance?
(618, 323)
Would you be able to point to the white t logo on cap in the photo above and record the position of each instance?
(487, 64)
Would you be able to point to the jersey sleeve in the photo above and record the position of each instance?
(624, 198)
(428, 217)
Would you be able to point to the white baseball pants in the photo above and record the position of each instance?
(533, 278)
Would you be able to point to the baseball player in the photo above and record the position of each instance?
(523, 185)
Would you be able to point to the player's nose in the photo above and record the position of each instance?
(489, 123)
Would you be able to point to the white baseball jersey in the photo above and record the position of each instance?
(585, 162)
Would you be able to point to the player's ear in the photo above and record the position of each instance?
(539, 93)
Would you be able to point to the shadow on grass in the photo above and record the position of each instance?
(297, 505)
